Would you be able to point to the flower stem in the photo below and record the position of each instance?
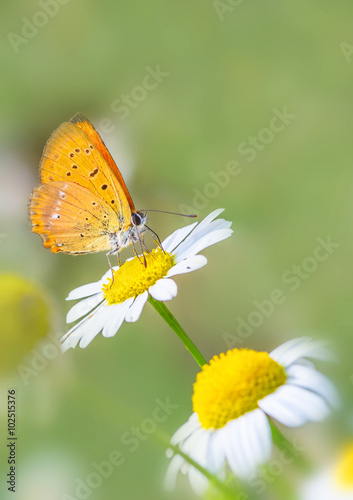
(163, 310)
(230, 492)
(283, 444)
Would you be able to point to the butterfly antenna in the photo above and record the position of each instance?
(156, 236)
(170, 213)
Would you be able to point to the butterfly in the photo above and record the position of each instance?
(82, 205)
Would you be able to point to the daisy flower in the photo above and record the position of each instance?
(234, 397)
(333, 482)
(107, 305)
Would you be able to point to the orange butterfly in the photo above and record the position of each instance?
(83, 205)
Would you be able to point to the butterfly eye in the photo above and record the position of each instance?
(136, 219)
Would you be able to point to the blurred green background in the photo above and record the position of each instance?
(226, 75)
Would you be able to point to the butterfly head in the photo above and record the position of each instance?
(138, 219)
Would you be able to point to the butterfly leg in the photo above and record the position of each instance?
(143, 253)
(142, 242)
(110, 265)
(137, 255)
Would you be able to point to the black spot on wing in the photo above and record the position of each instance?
(95, 172)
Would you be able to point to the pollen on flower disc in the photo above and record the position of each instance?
(133, 277)
(232, 384)
(344, 469)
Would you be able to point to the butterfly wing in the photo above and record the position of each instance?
(81, 121)
(71, 219)
(72, 158)
(70, 155)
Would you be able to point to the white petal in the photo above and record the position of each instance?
(250, 443)
(278, 410)
(201, 244)
(172, 472)
(86, 329)
(189, 446)
(202, 230)
(322, 350)
(295, 349)
(216, 452)
(198, 481)
(293, 406)
(186, 429)
(188, 265)
(249, 458)
(310, 378)
(315, 349)
(103, 318)
(116, 318)
(71, 338)
(206, 226)
(323, 485)
(177, 237)
(90, 288)
(234, 448)
(287, 346)
(195, 446)
(164, 289)
(83, 307)
(209, 218)
(95, 326)
(135, 309)
(260, 436)
(85, 291)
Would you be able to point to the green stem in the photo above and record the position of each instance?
(162, 309)
(226, 490)
(212, 478)
(283, 444)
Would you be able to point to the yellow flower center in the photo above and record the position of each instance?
(232, 384)
(344, 469)
(133, 277)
